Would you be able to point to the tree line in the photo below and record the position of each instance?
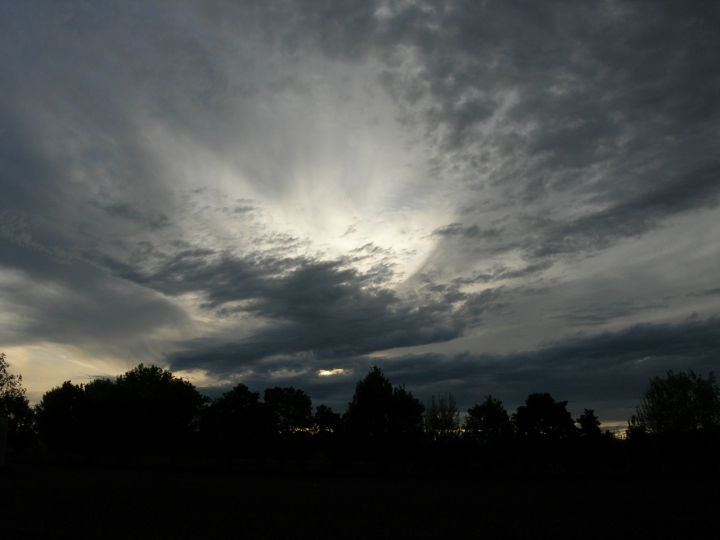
(149, 413)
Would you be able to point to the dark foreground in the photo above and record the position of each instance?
(54, 502)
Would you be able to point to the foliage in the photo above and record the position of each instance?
(59, 418)
(16, 408)
(487, 421)
(379, 409)
(292, 408)
(328, 434)
(14, 405)
(383, 422)
(144, 411)
(149, 412)
(325, 420)
(100, 415)
(543, 417)
(237, 424)
(292, 412)
(10, 384)
(405, 413)
(158, 411)
(589, 424)
(441, 420)
(369, 411)
(678, 403)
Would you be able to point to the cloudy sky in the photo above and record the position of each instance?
(479, 197)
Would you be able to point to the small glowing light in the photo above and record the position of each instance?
(329, 372)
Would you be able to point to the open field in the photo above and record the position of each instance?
(49, 502)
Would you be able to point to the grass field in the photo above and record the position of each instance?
(82, 502)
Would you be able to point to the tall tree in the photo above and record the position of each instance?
(384, 422)
(589, 424)
(441, 420)
(99, 416)
(325, 420)
(292, 408)
(237, 424)
(144, 411)
(487, 421)
(59, 418)
(379, 409)
(543, 417)
(15, 406)
(158, 411)
(678, 403)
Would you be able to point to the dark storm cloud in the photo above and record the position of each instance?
(318, 307)
(29, 182)
(607, 371)
(606, 364)
(80, 90)
(599, 369)
(629, 218)
(68, 302)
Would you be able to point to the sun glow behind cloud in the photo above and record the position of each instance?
(331, 372)
(328, 169)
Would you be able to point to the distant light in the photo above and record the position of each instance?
(329, 372)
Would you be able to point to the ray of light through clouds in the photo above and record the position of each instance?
(478, 197)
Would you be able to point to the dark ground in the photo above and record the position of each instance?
(85, 502)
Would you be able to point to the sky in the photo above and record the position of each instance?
(478, 197)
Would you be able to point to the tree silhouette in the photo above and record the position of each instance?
(441, 420)
(369, 412)
(99, 416)
(146, 411)
(677, 422)
(678, 403)
(237, 425)
(379, 409)
(325, 420)
(157, 411)
(292, 408)
(383, 419)
(59, 419)
(329, 435)
(15, 406)
(543, 429)
(487, 421)
(543, 417)
(589, 424)
(292, 411)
